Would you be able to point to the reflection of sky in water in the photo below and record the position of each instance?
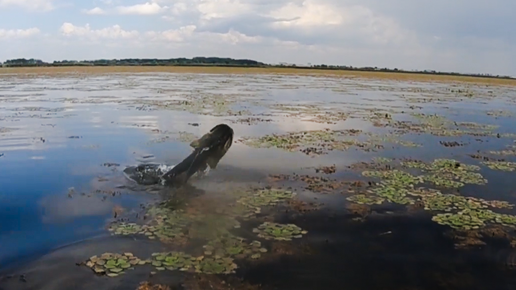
(35, 211)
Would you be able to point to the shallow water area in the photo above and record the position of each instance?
(330, 183)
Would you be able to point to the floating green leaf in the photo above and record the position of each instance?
(113, 264)
(365, 199)
(279, 232)
(500, 165)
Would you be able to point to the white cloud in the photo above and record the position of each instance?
(354, 24)
(148, 8)
(113, 32)
(232, 37)
(310, 14)
(18, 33)
(222, 8)
(41, 5)
(94, 11)
(189, 35)
(173, 35)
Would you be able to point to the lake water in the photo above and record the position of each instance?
(64, 142)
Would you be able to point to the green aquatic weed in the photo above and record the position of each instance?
(394, 177)
(500, 165)
(365, 199)
(392, 194)
(232, 246)
(459, 221)
(173, 261)
(112, 264)
(279, 232)
(382, 160)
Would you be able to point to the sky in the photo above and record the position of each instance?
(474, 36)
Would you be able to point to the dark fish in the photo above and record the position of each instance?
(208, 150)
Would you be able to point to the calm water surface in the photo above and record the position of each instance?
(56, 190)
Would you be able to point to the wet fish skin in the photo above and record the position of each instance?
(208, 151)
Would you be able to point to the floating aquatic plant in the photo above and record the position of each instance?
(394, 178)
(443, 180)
(500, 165)
(422, 192)
(165, 225)
(448, 172)
(309, 142)
(365, 199)
(112, 264)
(459, 221)
(264, 197)
(125, 229)
(279, 232)
(233, 246)
(505, 219)
(392, 194)
(216, 265)
(173, 261)
(500, 113)
(382, 160)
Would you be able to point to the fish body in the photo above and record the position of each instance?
(208, 151)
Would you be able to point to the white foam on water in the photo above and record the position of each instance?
(163, 168)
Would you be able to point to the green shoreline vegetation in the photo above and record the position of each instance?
(226, 62)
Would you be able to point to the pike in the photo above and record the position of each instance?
(208, 151)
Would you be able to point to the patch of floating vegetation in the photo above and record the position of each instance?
(364, 199)
(321, 184)
(382, 160)
(202, 104)
(251, 120)
(328, 117)
(394, 139)
(187, 137)
(468, 219)
(299, 141)
(511, 151)
(326, 169)
(233, 246)
(6, 130)
(184, 262)
(500, 165)
(499, 113)
(112, 265)
(166, 225)
(263, 197)
(440, 126)
(380, 119)
(319, 142)
(448, 172)
(150, 286)
(315, 142)
(169, 223)
(310, 113)
(456, 211)
(279, 232)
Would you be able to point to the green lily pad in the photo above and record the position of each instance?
(277, 231)
(364, 199)
(110, 263)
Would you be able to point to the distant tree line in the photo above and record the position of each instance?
(218, 61)
(203, 61)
